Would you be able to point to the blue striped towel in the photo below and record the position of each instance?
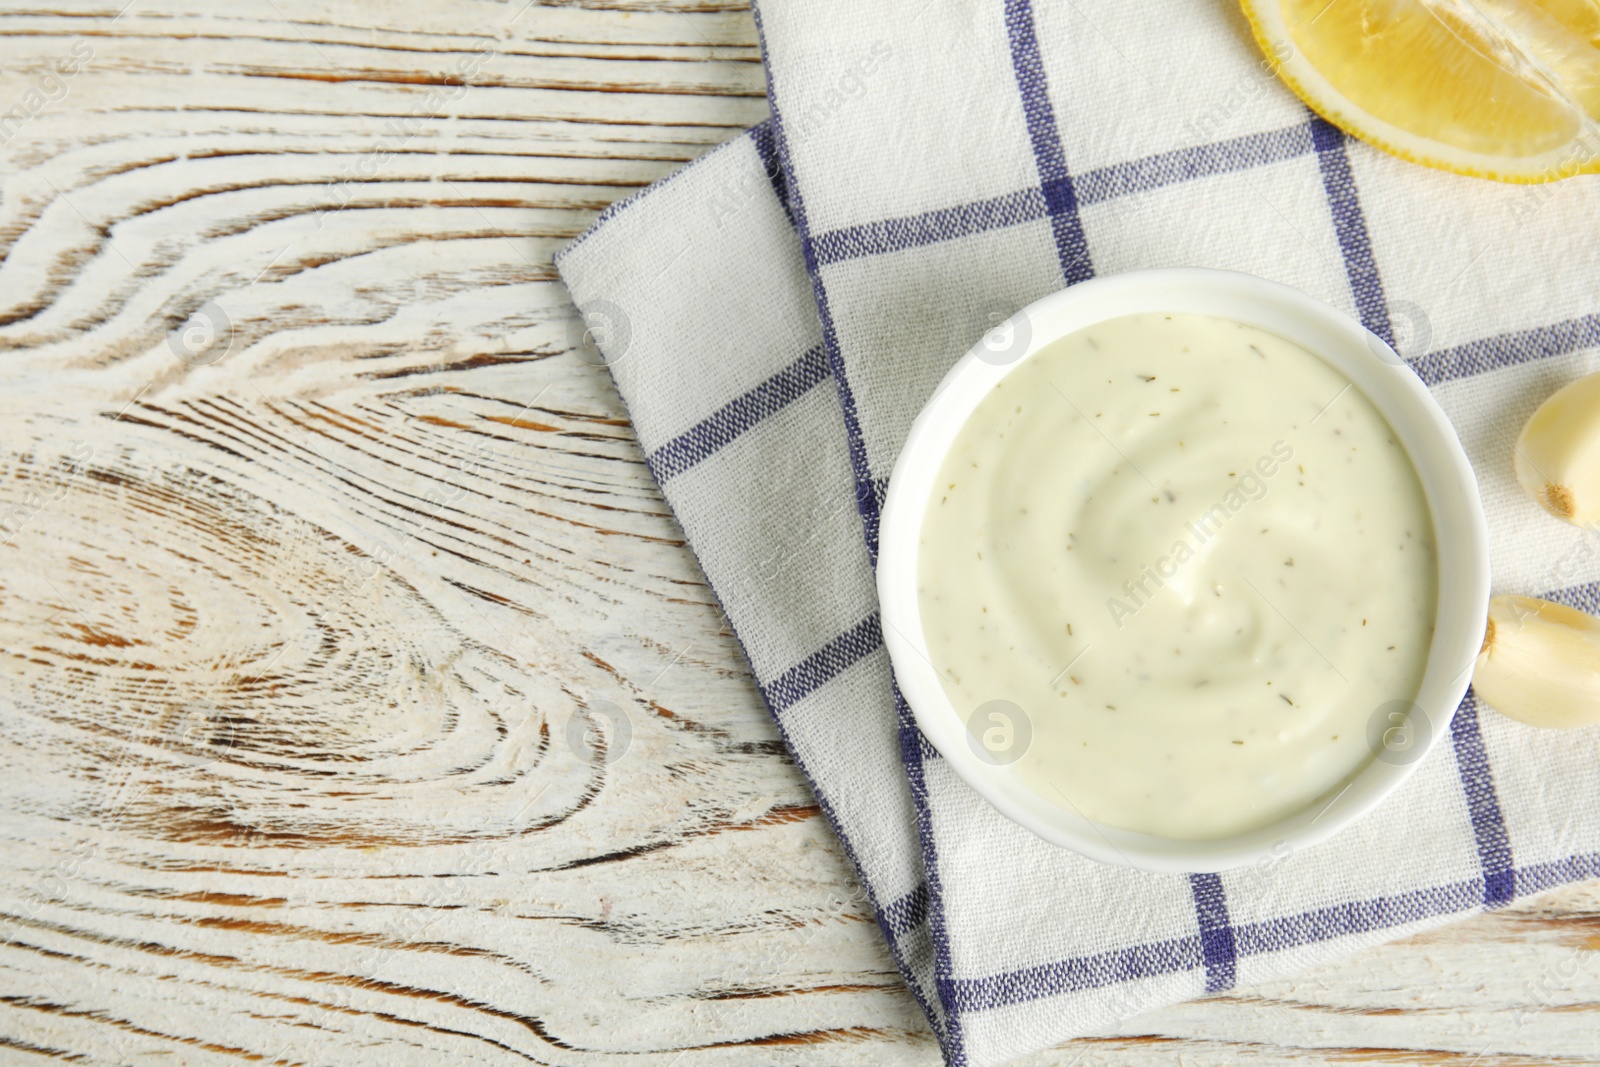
(776, 314)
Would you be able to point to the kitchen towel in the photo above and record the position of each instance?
(775, 314)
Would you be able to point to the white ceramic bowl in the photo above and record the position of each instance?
(1442, 467)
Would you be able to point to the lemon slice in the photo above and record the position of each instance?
(1504, 89)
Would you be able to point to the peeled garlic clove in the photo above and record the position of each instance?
(1558, 453)
(1540, 663)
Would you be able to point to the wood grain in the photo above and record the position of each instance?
(361, 702)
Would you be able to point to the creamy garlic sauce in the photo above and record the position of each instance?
(1195, 557)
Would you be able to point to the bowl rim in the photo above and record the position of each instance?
(1442, 467)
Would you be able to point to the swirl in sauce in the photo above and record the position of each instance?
(1195, 557)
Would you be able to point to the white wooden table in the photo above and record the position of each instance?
(319, 536)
